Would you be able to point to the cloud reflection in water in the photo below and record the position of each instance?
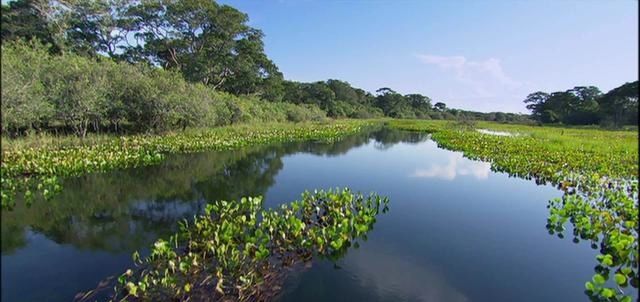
(456, 165)
(398, 277)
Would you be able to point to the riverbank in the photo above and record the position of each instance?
(596, 169)
(34, 171)
(538, 151)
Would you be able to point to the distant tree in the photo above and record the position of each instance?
(392, 103)
(535, 102)
(583, 108)
(78, 91)
(293, 92)
(320, 94)
(419, 101)
(343, 91)
(620, 105)
(440, 106)
(385, 90)
(578, 105)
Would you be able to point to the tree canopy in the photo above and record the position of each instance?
(586, 105)
(160, 64)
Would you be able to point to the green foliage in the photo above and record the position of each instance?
(77, 88)
(605, 212)
(212, 44)
(546, 153)
(37, 169)
(24, 96)
(234, 247)
(202, 40)
(70, 93)
(205, 41)
(213, 50)
(339, 99)
(586, 106)
(620, 105)
(596, 169)
(21, 20)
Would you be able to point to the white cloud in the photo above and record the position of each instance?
(479, 79)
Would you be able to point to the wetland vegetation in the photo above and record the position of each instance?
(36, 171)
(236, 246)
(597, 170)
(161, 129)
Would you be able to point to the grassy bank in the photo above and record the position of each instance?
(33, 166)
(596, 169)
(533, 151)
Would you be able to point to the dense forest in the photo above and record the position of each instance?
(149, 66)
(586, 106)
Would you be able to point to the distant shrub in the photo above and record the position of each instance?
(435, 115)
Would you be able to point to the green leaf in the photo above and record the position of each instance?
(607, 293)
(589, 286)
(132, 288)
(620, 279)
(337, 244)
(598, 279)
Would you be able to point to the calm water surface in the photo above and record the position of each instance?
(456, 231)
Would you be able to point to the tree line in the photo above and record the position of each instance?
(68, 93)
(586, 105)
(156, 65)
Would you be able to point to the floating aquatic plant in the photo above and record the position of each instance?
(604, 212)
(232, 251)
(597, 170)
(39, 170)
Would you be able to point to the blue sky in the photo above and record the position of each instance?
(476, 55)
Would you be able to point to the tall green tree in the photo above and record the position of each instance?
(206, 42)
(343, 91)
(24, 103)
(583, 107)
(535, 102)
(620, 105)
(440, 106)
(21, 19)
(94, 27)
(419, 101)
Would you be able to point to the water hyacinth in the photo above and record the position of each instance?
(234, 250)
(604, 212)
(598, 172)
(544, 153)
(38, 170)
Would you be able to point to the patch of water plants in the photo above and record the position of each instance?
(37, 171)
(598, 172)
(605, 213)
(238, 250)
(547, 154)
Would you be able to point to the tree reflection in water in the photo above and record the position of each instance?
(126, 210)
